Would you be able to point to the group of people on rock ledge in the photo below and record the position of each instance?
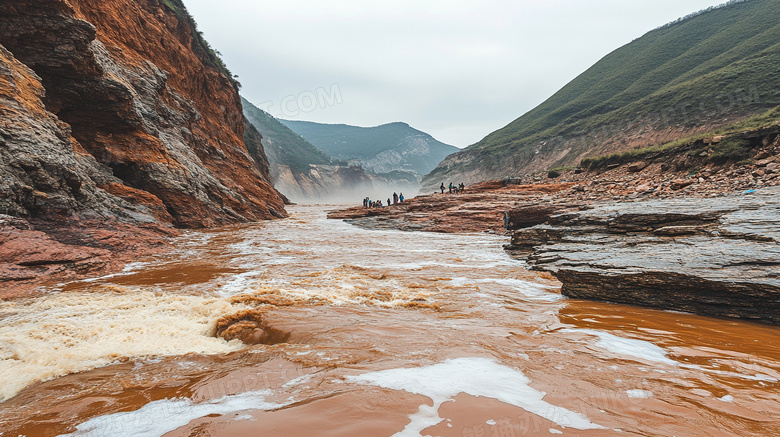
(457, 189)
(397, 198)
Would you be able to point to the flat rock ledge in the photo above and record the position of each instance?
(710, 256)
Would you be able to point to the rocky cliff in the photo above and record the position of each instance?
(117, 123)
(142, 95)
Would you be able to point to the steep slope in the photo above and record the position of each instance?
(382, 149)
(145, 96)
(71, 226)
(117, 122)
(281, 144)
(305, 173)
(694, 75)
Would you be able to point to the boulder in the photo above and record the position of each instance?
(679, 184)
(249, 327)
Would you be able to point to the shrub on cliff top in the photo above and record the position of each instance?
(212, 56)
(730, 149)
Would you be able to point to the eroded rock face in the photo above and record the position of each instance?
(44, 174)
(55, 220)
(141, 98)
(716, 256)
(114, 126)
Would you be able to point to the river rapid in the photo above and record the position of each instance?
(390, 333)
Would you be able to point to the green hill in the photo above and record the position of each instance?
(382, 149)
(705, 71)
(282, 145)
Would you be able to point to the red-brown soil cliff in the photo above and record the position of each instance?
(117, 123)
(142, 95)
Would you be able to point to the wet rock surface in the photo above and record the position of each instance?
(115, 126)
(479, 209)
(249, 327)
(716, 256)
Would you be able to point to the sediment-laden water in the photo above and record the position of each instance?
(391, 333)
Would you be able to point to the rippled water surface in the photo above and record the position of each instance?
(390, 333)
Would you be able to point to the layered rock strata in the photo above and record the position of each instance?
(717, 256)
(478, 209)
(136, 87)
(116, 126)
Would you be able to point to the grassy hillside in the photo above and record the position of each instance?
(282, 145)
(700, 73)
(393, 146)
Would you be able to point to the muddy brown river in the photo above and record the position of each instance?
(390, 334)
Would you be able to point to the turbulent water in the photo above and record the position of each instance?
(391, 333)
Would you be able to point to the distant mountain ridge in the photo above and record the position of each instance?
(282, 145)
(305, 173)
(382, 149)
(708, 70)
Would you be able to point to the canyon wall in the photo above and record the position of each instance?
(118, 124)
(144, 95)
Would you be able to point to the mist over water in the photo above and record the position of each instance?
(391, 333)
(354, 195)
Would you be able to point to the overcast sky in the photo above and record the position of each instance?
(457, 69)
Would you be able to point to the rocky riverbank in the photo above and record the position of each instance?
(717, 256)
(479, 209)
(703, 241)
(44, 253)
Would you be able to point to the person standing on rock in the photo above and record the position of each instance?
(395, 198)
(388, 202)
(442, 188)
(450, 187)
(401, 198)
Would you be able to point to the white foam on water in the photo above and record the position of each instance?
(299, 380)
(126, 270)
(250, 247)
(727, 398)
(555, 431)
(639, 394)
(346, 285)
(760, 377)
(159, 417)
(237, 284)
(474, 376)
(64, 333)
(529, 290)
(644, 350)
(647, 351)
